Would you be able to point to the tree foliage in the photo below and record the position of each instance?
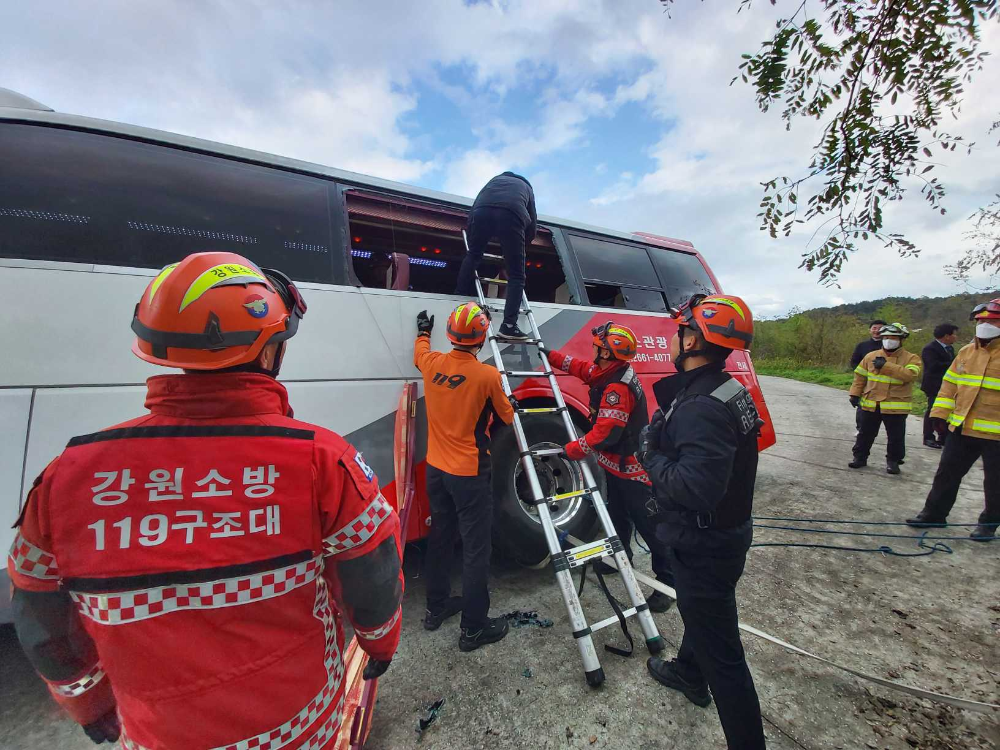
(881, 75)
(984, 254)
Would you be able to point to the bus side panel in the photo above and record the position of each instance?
(15, 408)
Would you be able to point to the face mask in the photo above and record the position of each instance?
(987, 331)
(889, 344)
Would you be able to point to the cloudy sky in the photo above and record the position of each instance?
(620, 115)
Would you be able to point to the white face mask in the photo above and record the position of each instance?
(987, 331)
(890, 344)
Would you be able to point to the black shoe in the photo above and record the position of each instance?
(984, 532)
(513, 333)
(659, 602)
(858, 463)
(433, 620)
(892, 467)
(665, 673)
(921, 521)
(933, 444)
(494, 630)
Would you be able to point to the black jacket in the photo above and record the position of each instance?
(704, 466)
(936, 362)
(513, 192)
(868, 345)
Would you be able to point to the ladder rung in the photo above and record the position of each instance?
(525, 373)
(589, 552)
(546, 452)
(494, 281)
(505, 339)
(565, 495)
(492, 256)
(613, 620)
(501, 310)
(540, 410)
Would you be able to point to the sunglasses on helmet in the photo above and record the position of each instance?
(984, 307)
(287, 290)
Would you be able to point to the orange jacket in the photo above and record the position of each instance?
(461, 394)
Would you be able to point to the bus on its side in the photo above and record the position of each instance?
(91, 210)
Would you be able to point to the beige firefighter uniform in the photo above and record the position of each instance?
(970, 392)
(891, 387)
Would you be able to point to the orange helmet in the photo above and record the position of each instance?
(468, 324)
(987, 310)
(212, 311)
(617, 339)
(724, 320)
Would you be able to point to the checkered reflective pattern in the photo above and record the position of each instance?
(33, 561)
(360, 530)
(80, 685)
(292, 731)
(618, 414)
(132, 606)
(374, 635)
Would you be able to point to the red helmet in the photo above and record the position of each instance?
(724, 320)
(986, 311)
(212, 311)
(467, 325)
(617, 339)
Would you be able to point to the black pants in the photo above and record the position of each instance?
(895, 432)
(959, 454)
(484, 224)
(460, 505)
(933, 431)
(711, 650)
(629, 503)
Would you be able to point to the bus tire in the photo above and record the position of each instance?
(517, 533)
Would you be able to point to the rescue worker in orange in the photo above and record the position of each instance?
(462, 396)
(180, 580)
(883, 388)
(969, 401)
(618, 413)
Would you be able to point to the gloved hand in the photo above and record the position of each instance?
(424, 324)
(879, 362)
(105, 729)
(573, 451)
(513, 403)
(649, 437)
(375, 668)
(855, 401)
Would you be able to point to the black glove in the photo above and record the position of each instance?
(375, 668)
(105, 729)
(879, 362)
(649, 437)
(424, 324)
(855, 401)
(513, 403)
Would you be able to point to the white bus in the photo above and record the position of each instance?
(90, 210)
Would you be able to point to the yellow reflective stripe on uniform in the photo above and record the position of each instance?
(944, 403)
(913, 368)
(992, 383)
(861, 370)
(896, 404)
(951, 376)
(867, 402)
(160, 277)
(969, 380)
(956, 419)
(884, 379)
(984, 425)
(227, 273)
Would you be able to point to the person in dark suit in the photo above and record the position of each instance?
(937, 355)
(868, 345)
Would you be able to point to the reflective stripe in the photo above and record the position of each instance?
(884, 379)
(956, 419)
(132, 606)
(968, 380)
(900, 405)
(861, 370)
(567, 360)
(944, 403)
(376, 633)
(913, 368)
(585, 446)
(360, 530)
(80, 685)
(293, 729)
(633, 469)
(33, 561)
(986, 426)
(992, 383)
(621, 416)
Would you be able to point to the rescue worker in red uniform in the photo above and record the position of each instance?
(181, 579)
(618, 413)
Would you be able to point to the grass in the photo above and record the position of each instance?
(824, 375)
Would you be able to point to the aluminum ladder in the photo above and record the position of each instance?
(565, 561)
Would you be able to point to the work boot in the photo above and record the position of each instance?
(858, 463)
(665, 673)
(494, 630)
(933, 444)
(513, 333)
(433, 620)
(923, 521)
(659, 602)
(984, 532)
(892, 467)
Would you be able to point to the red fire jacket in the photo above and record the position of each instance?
(615, 404)
(193, 567)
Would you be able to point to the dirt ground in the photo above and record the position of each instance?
(931, 621)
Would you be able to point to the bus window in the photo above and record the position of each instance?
(430, 236)
(681, 274)
(606, 261)
(649, 300)
(86, 198)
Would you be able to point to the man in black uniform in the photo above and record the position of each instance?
(700, 452)
(936, 356)
(505, 209)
